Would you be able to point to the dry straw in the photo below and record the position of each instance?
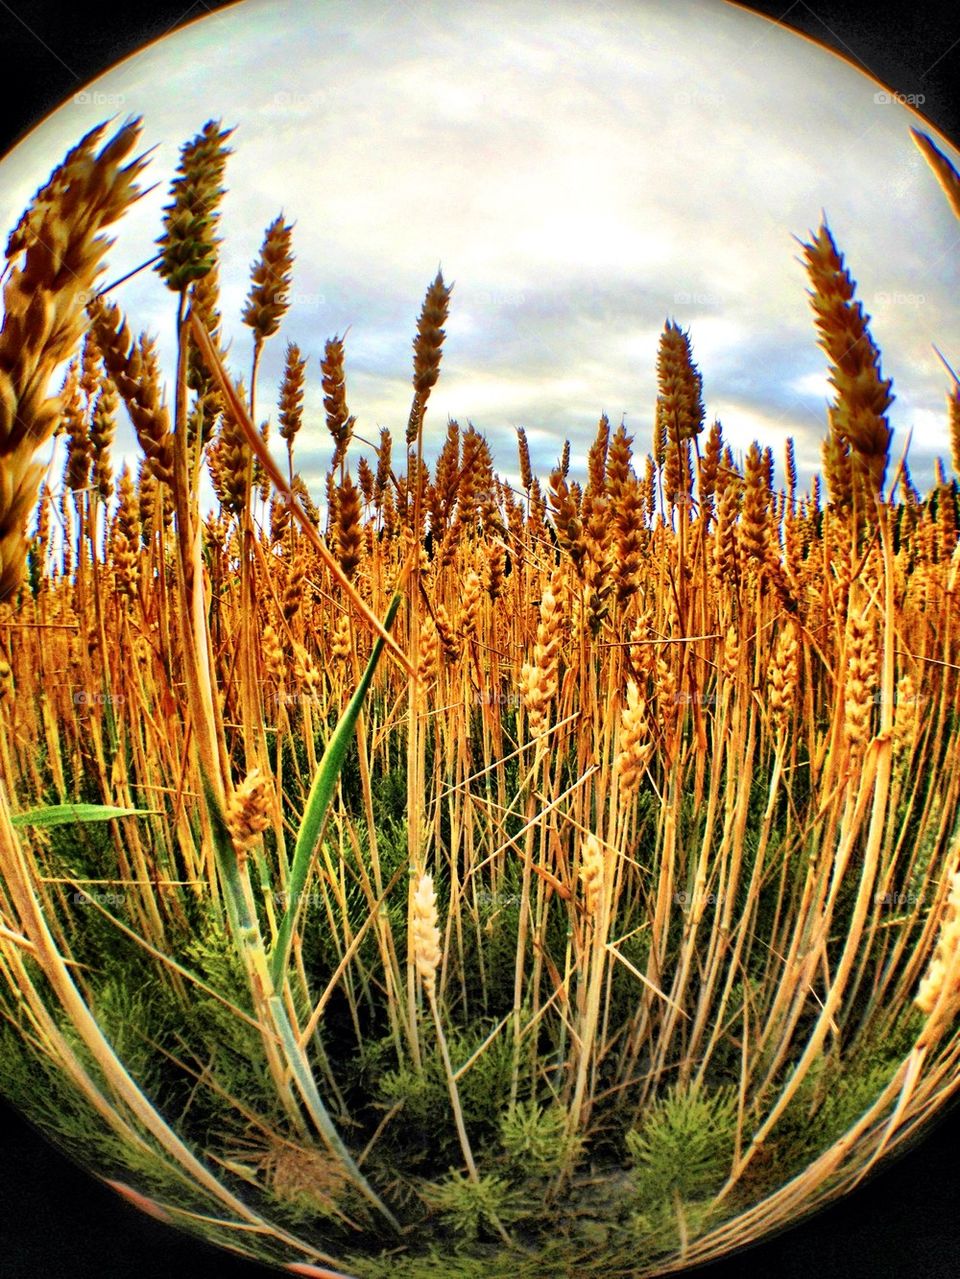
(675, 746)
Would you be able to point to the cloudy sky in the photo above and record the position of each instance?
(581, 172)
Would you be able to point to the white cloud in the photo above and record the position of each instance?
(813, 386)
(581, 173)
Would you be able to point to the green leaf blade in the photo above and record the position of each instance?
(64, 814)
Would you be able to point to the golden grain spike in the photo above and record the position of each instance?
(941, 985)
(270, 278)
(783, 678)
(426, 933)
(861, 675)
(274, 656)
(494, 570)
(76, 473)
(126, 536)
(429, 663)
(427, 350)
(300, 491)
(340, 645)
(248, 811)
(340, 423)
(523, 448)
(591, 874)
(348, 533)
(906, 717)
(629, 539)
(710, 466)
(233, 462)
(291, 394)
(442, 493)
(50, 193)
(134, 369)
(680, 386)
(634, 747)
(566, 519)
(188, 245)
(293, 590)
(597, 456)
(725, 533)
(619, 456)
(862, 395)
(953, 412)
(539, 679)
(447, 633)
(791, 468)
(470, 604)
(838, 470)
(564, 463)
(55, 259)
(754, 518)
(381, 477)
(103, 426)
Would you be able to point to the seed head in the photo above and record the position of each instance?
(188, 246)
(634, 748)
(426, 933)
(427, 350)
(348, 532)
(862, 395)
(54, 260)
(591, 874)
(291, 393)
(783, 678)
(680, 386)
(526, 472)
(861, 677)
(940, 988)
(339, 421)
(248, 811)
(268, 300)
(134, 369)
(340, 647)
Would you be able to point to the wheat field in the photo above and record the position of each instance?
(441, 875)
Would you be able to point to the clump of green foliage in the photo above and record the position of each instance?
(684, 1144)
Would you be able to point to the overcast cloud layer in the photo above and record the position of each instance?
(580, 174)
